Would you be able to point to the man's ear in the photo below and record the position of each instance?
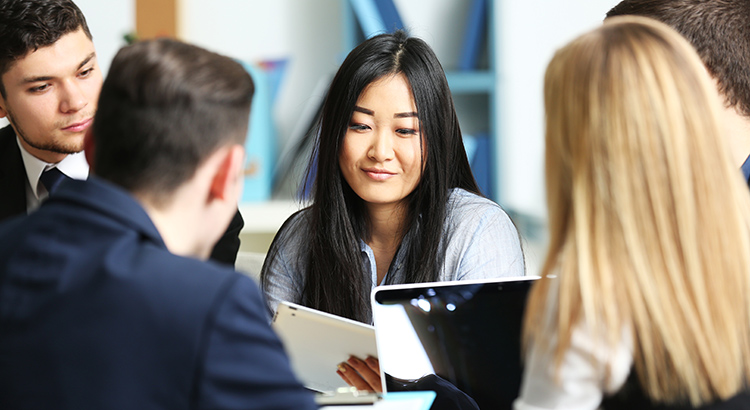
(3, 110)
(88, 147)
(229, 170)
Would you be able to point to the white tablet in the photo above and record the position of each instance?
(317, 342)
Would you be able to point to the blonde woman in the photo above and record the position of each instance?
(644, 299)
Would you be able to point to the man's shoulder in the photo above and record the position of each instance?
(108, 250)
(8, 146)
(161, 272)
(12, 175)
(192, 279)
(8, 143)
(6, 133)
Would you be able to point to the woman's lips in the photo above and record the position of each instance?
(79, 126)
(379, 174)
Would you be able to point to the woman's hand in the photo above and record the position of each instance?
(361, 374)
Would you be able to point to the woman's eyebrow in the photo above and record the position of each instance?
(363, 110)
(396, 115)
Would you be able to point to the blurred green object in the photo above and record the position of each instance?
(130, 38)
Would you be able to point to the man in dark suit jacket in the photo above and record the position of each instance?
(105, 302)
(50, 104)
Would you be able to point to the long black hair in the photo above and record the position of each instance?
(334, 280)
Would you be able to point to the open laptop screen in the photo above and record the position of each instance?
(468, 333)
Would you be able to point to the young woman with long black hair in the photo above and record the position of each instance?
(394, 198)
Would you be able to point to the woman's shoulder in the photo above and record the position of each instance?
(294, 230)
(462, 197)
(480, 239)
(298, 219)
(464, 207)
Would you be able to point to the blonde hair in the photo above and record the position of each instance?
(649, 220)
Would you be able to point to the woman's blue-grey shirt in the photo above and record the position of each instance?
(480, 240)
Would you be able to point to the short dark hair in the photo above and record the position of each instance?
(718, 29)
(165, 106)
(27, 25)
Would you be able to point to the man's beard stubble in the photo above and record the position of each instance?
(51, 146)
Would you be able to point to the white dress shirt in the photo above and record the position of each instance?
(73, 165)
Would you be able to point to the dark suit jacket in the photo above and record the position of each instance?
(12, 176)
(13, 188)
(95, 313)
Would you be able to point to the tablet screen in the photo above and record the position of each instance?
(317, 342)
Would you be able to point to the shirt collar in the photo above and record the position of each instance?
(398, 261)
(73, 165)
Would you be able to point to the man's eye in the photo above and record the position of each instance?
(39, 88)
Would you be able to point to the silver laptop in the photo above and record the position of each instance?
(468, 333)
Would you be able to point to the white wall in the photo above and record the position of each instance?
(108, 21)
(529, 33)
(309, 33)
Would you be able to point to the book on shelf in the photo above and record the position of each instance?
(390, 15)
(368, 17)
(260, 145)
(479, 155)
(377, 16)
(474, 34)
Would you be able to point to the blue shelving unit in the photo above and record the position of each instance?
(476, 81)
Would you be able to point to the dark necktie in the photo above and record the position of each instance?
(51, 178)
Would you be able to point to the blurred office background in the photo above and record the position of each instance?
(296, 45)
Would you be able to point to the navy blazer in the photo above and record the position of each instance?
(96, 313)
(13, 188)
